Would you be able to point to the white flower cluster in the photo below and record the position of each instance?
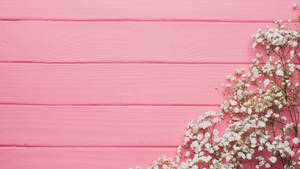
(275, 38)
(162, 163)
(200, 143)
(262, 103)
(261, 111)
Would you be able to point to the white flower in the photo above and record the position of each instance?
(253, 141)
(292, 52)
(249, 111)
(261, 124)
(207, 135)
(249, 156)
(292, 67)
(266, 83)
(295, 140)
(259, 40)
(273, 159)
(187, 153)
(254, 45)
(283, 118)
(258, 55)
(215, 132)
(199, 137)
(236, 110)
(233, 102)
(295, 5)
(210, 113)
(279, 72)
(195, 167)
(241, 154)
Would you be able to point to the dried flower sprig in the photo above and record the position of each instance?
(262, 109)
(262, 103)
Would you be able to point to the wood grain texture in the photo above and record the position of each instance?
(92, 126)
(101, 84)
(113, 83)
(147, 9)
(191, 42)
(79, 158)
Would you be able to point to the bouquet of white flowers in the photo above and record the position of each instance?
(260, 112)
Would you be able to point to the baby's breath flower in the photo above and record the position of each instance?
(266, 82)
(259, 111)
(295, 5)
(273, 159)
(279, 72)
(295, 140)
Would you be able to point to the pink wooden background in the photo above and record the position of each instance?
(111, 84)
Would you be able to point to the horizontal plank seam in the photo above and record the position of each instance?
(88, 147)
(122, 62)
(111, 104)
(106, 104)
(69, 146)
(126, 62)
(140, 20)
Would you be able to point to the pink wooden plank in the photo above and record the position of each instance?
(147, 9)
(112, 83)
(95, 125)
(80, 158)
(127, 42)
